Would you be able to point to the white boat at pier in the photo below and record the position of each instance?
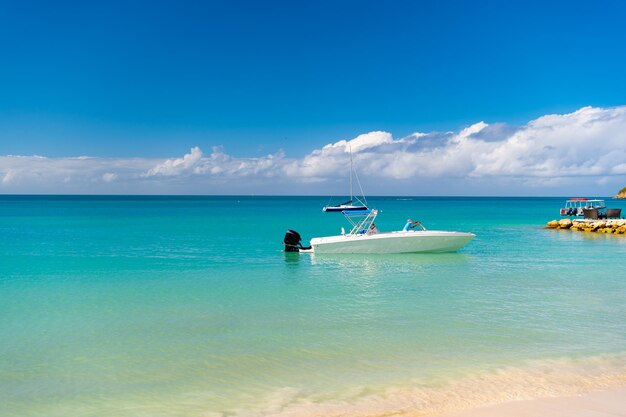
(577, 206)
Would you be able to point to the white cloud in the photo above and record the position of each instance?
(361, 142)
(109, 177)
(578, 151)
(8, 176)
(177, 166)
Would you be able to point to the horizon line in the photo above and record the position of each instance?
(289, 195)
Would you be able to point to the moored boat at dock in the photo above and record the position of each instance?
(577, 206)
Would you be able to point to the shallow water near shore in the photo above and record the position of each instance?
(186, 306)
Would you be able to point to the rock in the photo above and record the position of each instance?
(565, 223)
(553, 224)
(612, 226)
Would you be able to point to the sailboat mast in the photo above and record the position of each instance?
(350, 174)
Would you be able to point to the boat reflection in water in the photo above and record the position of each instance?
(389, 263)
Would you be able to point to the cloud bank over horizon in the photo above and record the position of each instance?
(583, 152)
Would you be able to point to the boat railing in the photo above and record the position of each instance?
(361, 220)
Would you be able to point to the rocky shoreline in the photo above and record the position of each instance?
(615, 226)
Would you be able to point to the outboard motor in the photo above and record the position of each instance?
(292, 241)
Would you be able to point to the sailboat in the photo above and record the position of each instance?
(350, 205)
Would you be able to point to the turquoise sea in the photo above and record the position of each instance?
(187, 306)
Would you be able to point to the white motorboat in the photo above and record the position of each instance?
(364, 237)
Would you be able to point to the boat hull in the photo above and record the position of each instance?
(343, 208)
(428, 241)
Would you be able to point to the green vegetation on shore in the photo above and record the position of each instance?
(621, 193)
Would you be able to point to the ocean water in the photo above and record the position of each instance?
(187, 306)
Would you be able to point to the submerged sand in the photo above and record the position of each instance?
(583, 387)
(610, 403)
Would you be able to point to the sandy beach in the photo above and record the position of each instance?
(610, 403)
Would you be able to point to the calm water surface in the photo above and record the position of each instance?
(186, 306)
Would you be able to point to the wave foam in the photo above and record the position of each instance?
(539, 379)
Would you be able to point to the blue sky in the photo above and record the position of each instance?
(153, 79)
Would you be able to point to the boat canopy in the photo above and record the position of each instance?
(585, 203)
(361, 220)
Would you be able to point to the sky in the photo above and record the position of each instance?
(243, 97)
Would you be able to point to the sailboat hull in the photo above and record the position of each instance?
(343, 208)
(428, 241)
